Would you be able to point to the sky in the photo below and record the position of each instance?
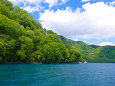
(91, 21)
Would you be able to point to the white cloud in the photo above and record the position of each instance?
(64, 1)
(97, 21)
(37, 4)
(55, 2)
(85, 0)
(17, 2)
(51, 2)
(30, 9)
(27, 4)
(111, 3)
(106, 43)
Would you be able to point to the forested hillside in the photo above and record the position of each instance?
(23, 39)
(82, 47)
(102, 54)
(92, 53)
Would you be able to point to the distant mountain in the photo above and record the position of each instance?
(94, 46)
(102, 54)
(92, 53)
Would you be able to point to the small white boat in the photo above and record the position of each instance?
(85, 62)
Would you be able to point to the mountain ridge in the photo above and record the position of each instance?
(92, 53)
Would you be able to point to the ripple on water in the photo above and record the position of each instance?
(92, 74)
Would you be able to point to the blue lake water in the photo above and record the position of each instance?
(91, 74)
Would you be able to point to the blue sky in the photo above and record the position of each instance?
(91, 21)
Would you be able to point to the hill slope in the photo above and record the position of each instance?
(102, 54)
(92, 53)
(82, 47)
(23, 39)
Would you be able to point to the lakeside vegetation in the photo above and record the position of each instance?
(23, 39)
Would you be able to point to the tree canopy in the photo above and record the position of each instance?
(23, 39)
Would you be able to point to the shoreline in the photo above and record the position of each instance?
(50, 63)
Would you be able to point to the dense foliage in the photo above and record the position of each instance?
(82, 47)
(22, 39)
(92, 53)
(102, 54)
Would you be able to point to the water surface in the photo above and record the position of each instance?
(92, 74)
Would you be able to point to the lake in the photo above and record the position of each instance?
(91, 74)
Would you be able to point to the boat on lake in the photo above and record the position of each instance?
(85, 62)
